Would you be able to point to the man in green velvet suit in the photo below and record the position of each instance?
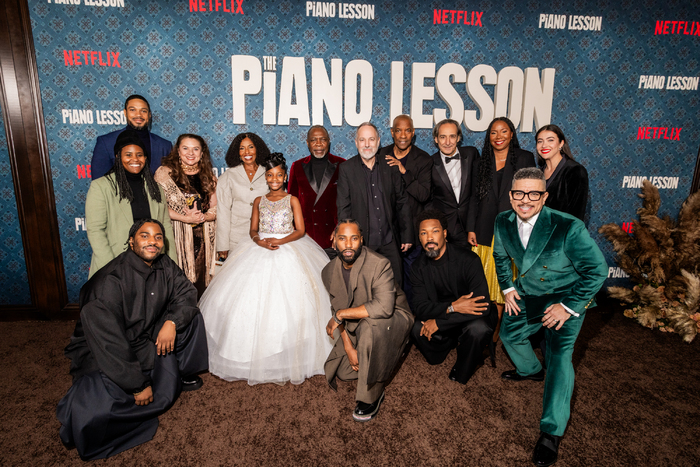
(559, 270)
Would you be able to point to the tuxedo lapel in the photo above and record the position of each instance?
(327, 175)
(539, 238)
(507, 175)
(125, 208)
(511, 239)
(442, 172)
(464, 186)
(310, 176)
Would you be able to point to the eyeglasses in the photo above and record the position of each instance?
(532, 195)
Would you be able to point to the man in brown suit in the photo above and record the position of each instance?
(370, 315)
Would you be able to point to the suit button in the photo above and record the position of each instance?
(388, 328)
(251, 188)
(251, 204)
(544, 267)
(523, 275)
(542, 279)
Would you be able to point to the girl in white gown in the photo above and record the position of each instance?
(266, 310)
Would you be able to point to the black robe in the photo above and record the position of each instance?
(113, 354)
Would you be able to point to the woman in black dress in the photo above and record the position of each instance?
(567, 180)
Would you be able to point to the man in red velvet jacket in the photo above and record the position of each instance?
(313, 180)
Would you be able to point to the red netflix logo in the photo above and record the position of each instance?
(84, 171)
(659, 132)
(90, 57)
(687, 28)
(214, 5)
(458, 17)
(628, 227)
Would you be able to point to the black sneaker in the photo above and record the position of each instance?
(191, 383)
(365, 412)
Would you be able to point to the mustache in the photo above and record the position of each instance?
(431, 243)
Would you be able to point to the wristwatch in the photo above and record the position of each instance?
(450, 309)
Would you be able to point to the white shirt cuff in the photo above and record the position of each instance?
(570, 311)
(508, 290)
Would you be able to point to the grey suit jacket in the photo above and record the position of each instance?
(371, 285)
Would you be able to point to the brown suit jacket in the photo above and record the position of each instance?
(371, 285)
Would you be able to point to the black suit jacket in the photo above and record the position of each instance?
(443, 197)
(466, 275)
(352, 198)
(482, 213)
(416, 180)
(568, 191)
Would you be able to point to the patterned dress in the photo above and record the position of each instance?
(266, 311)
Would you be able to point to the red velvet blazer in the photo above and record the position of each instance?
(318, 207)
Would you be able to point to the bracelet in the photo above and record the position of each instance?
(337, 321)
(258, 236)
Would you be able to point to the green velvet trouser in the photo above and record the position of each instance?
(559, 383)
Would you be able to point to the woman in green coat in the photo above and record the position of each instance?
(124, 195)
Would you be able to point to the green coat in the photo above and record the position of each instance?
(108, 221)
(561, 258)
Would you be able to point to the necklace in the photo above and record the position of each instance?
(189, 169)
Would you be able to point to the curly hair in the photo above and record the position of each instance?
(565, 150)
(486, 168)
(121, 185)
(206, 170)
(139, 223)
(233, 156)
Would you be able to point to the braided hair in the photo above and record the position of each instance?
(276, 159)
(486, 168)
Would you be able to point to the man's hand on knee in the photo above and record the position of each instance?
(165, 342)
(511, 303)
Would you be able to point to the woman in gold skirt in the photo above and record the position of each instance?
(492, 176)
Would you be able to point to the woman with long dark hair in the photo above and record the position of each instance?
(492, 174)
(567, 180)
(188, 180)
(237, 189)
(124, 195)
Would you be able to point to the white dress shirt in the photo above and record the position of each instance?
(454, 172)
(524, 232)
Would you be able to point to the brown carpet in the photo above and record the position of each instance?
(636, 403)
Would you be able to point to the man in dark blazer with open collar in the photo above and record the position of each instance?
(560, 269)
(313, 180)
(372, 193)
(452, 183)
(138, 117)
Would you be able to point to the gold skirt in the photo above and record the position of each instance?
(485, 253)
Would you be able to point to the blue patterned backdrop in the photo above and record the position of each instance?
(13, 268)
(181, 60)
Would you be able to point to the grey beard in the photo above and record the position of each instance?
(432, 254)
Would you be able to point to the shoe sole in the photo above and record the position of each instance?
(368, 417)
(192, 387)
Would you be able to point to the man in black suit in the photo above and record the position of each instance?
(450, 301)
(415, 165)
(373, 194)
(451, 176)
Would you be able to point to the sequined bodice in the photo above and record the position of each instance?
(276, 217)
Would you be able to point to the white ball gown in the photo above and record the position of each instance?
(266, 311)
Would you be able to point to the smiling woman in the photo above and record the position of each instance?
(189, 183)
(126, 194)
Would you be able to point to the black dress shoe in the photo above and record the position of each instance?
(546, 450)
(512, 375)
(191, 383)
(453, 374)
(365, 412)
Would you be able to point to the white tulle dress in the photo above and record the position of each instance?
(266, 311)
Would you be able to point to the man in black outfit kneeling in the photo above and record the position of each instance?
(140, 341)
(449, 300)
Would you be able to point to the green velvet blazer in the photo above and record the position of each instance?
(108, 220)
(561, 258)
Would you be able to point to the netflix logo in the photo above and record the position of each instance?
(687, 28)
(226, 6)
(659, 132)
(628, 227)
(84, 171)
(470, 18)
(90, 57)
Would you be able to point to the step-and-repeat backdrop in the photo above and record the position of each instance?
(620, 78)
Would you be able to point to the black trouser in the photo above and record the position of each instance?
(469, 337)
(392, 252)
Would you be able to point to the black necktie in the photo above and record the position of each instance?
(453, 158)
